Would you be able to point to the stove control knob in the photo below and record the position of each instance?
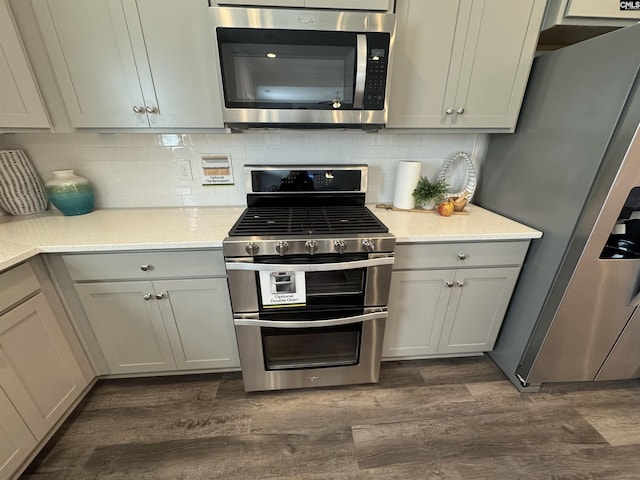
(282, 247)
(368, 245)
(252, 248)
(311, 246)
(339, 245)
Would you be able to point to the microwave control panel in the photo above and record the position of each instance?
(377, 61)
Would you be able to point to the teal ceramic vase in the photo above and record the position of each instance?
(70, 193)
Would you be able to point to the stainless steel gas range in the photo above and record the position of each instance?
(309, 268)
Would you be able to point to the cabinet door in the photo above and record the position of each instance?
(176, 40)
(417, 306)
(16, 441)
(478, 303)
(38, 370)
(498, 52)
(126, 320)
(88, 43)
(198, 318)
(599, 9)
(425, 64)
(20, 102)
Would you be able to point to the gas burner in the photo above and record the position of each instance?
(319, 218)
(338, 220)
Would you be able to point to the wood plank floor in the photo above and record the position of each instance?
(456, 419)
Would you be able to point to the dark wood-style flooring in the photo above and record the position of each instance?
(456, 419)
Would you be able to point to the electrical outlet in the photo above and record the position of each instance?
(184, 170)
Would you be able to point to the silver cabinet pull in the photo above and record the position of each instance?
(147, 296)
(449, 111)
(462, 256)
(460, 283)
(450, 284)
(460, 110)
(151, 109)
(159, 296)
(138, 109)
(146, 267)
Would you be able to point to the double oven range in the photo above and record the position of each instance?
(309, 268)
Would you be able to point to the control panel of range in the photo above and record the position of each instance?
(320, 246)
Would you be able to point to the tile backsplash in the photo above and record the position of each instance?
(142, 170)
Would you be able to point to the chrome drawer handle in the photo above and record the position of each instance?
(147, 296)
(460, 283)
(146, 267)
(449, 284)
(159, 296)
(462, 256)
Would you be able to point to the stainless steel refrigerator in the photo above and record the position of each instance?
(570, 170)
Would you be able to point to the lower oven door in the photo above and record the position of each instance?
(278, 355)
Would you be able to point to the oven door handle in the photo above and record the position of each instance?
(310, 267)
(252, 322)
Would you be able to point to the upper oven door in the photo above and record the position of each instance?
(303, 66)
(276, 288)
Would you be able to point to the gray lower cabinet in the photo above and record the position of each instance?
(449, 311)
(16, 440)
(161, 324)
(41, 375)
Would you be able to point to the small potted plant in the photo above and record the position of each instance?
(429, 194)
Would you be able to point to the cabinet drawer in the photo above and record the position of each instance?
(16, 284)
(459, 255)
(137, 265)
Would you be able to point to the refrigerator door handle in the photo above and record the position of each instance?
(635, 301)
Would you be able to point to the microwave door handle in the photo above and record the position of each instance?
(253, 322)
(361, 70)
(310, 267)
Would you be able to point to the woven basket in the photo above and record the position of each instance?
(21, 189)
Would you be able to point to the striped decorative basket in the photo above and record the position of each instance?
(21, 189)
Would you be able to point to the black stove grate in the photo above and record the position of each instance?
(317, 220)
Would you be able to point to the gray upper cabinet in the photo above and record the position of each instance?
(462, 63)
(588, 13)
(20, 102)
(133, 63)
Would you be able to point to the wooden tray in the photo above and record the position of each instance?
(389, 206)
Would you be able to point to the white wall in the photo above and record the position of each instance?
(139, 170)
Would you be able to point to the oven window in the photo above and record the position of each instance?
(287, 69)
(288, 349)
(338, 282)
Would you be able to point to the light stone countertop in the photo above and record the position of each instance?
(22, 237)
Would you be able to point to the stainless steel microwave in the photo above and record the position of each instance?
(287, 68)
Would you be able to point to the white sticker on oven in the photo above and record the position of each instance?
(282, 289)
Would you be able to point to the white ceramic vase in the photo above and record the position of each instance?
(70, 193)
